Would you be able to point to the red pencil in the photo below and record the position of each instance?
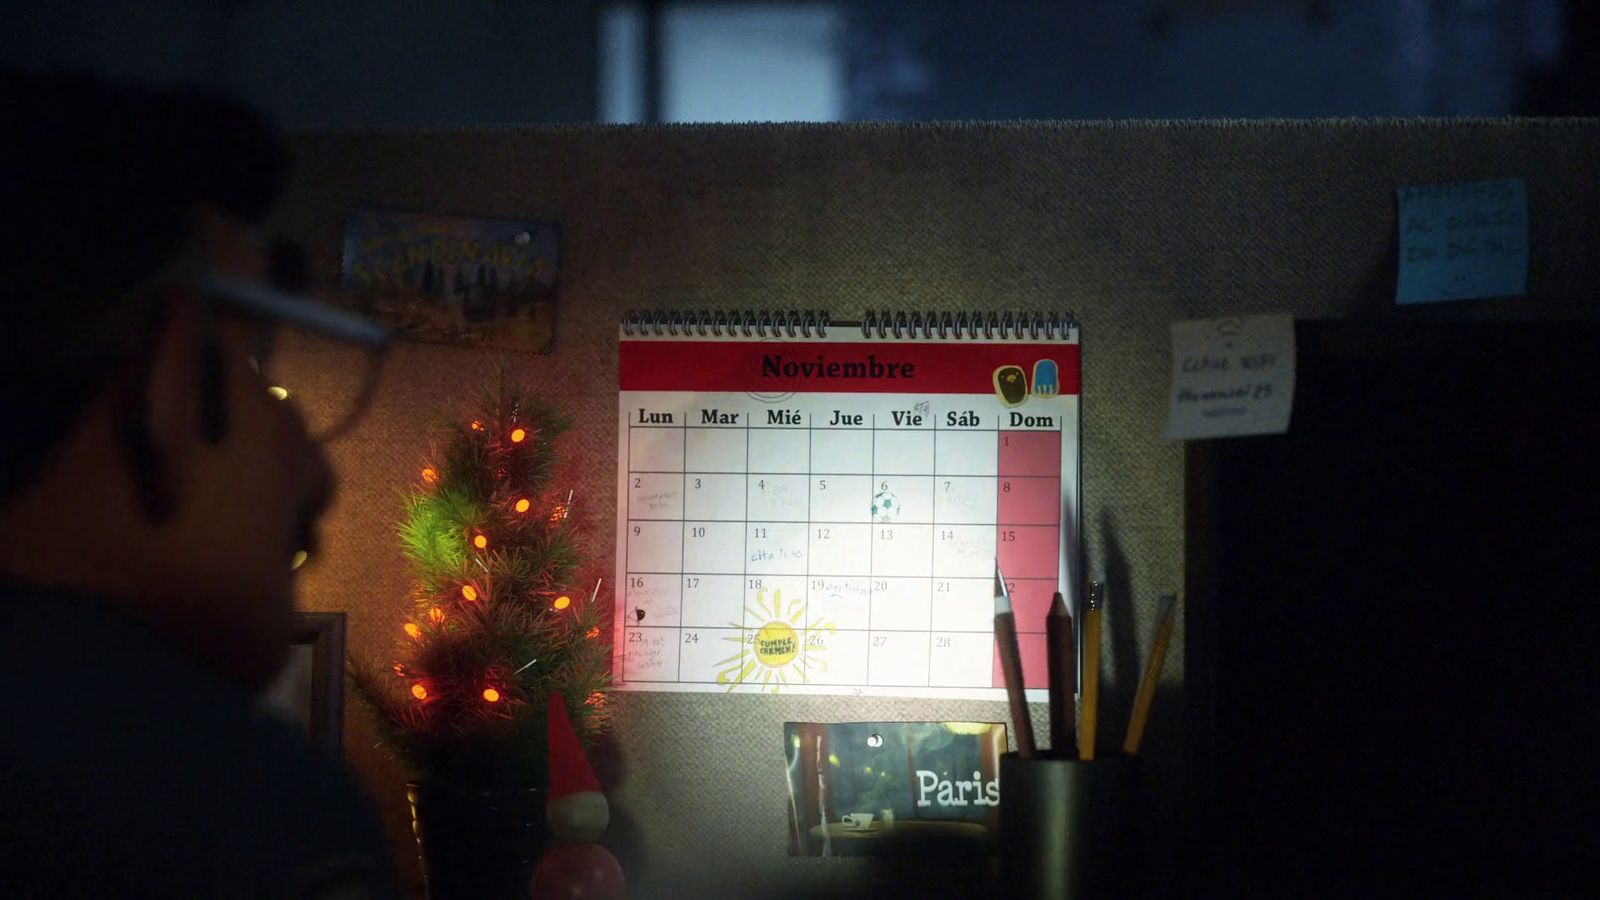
(1063, 659)
(1005, 638)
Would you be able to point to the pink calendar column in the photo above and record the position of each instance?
(1028, 538)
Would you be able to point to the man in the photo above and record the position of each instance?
(152, 496)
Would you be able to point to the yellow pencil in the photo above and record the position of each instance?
(1090, 705)
(1152, 674)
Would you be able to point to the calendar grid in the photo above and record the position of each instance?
(999, 516)
(627, 565)
(872, 576)
(925, 490)
(933, 550)
(744, 556)
(881, 587)
(656, 625)
(805, 640)
(683, 543)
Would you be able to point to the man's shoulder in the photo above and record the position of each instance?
(126, 757)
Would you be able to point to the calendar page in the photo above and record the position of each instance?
(823, 515)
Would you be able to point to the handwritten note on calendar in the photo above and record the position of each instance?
(822, 515)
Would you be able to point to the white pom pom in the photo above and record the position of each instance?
(580, 817)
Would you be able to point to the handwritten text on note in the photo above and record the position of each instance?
(1463, 241)
(1231, 376)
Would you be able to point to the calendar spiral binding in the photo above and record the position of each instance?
(899, 324)
(727, 323)
(968, 325)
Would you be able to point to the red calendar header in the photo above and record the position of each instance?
(848, 367)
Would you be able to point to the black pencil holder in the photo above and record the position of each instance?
(1066, 826)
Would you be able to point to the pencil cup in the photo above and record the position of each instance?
(1066, 826)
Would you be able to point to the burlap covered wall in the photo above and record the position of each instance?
(1128, 225)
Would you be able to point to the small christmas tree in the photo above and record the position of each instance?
(500, 622)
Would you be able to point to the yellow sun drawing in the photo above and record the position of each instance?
(772, 653)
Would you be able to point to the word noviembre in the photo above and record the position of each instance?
(775, 366)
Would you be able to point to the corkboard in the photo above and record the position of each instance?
(1130, 225)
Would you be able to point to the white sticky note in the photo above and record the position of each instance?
(1231, 376)
(1463, 241)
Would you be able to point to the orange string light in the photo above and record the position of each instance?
(419, 692)
(430, 475)
(491, 695)
(518, 435)
(593, 632)
(436, 614)
(476, 425)
(522, 505)
(412, 630)
(469, 592)
(563, 601)
(480, 541)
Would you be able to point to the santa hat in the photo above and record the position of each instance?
(576, 809)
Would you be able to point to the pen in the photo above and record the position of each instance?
(1005, 638)
(1091, 670)
(1152, 674)
(1063, 657)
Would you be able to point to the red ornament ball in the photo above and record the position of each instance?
(573, 871)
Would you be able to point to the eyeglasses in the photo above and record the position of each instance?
(324, 360)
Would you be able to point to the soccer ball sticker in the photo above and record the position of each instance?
(885, 506)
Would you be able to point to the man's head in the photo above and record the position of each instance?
(143, 459)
